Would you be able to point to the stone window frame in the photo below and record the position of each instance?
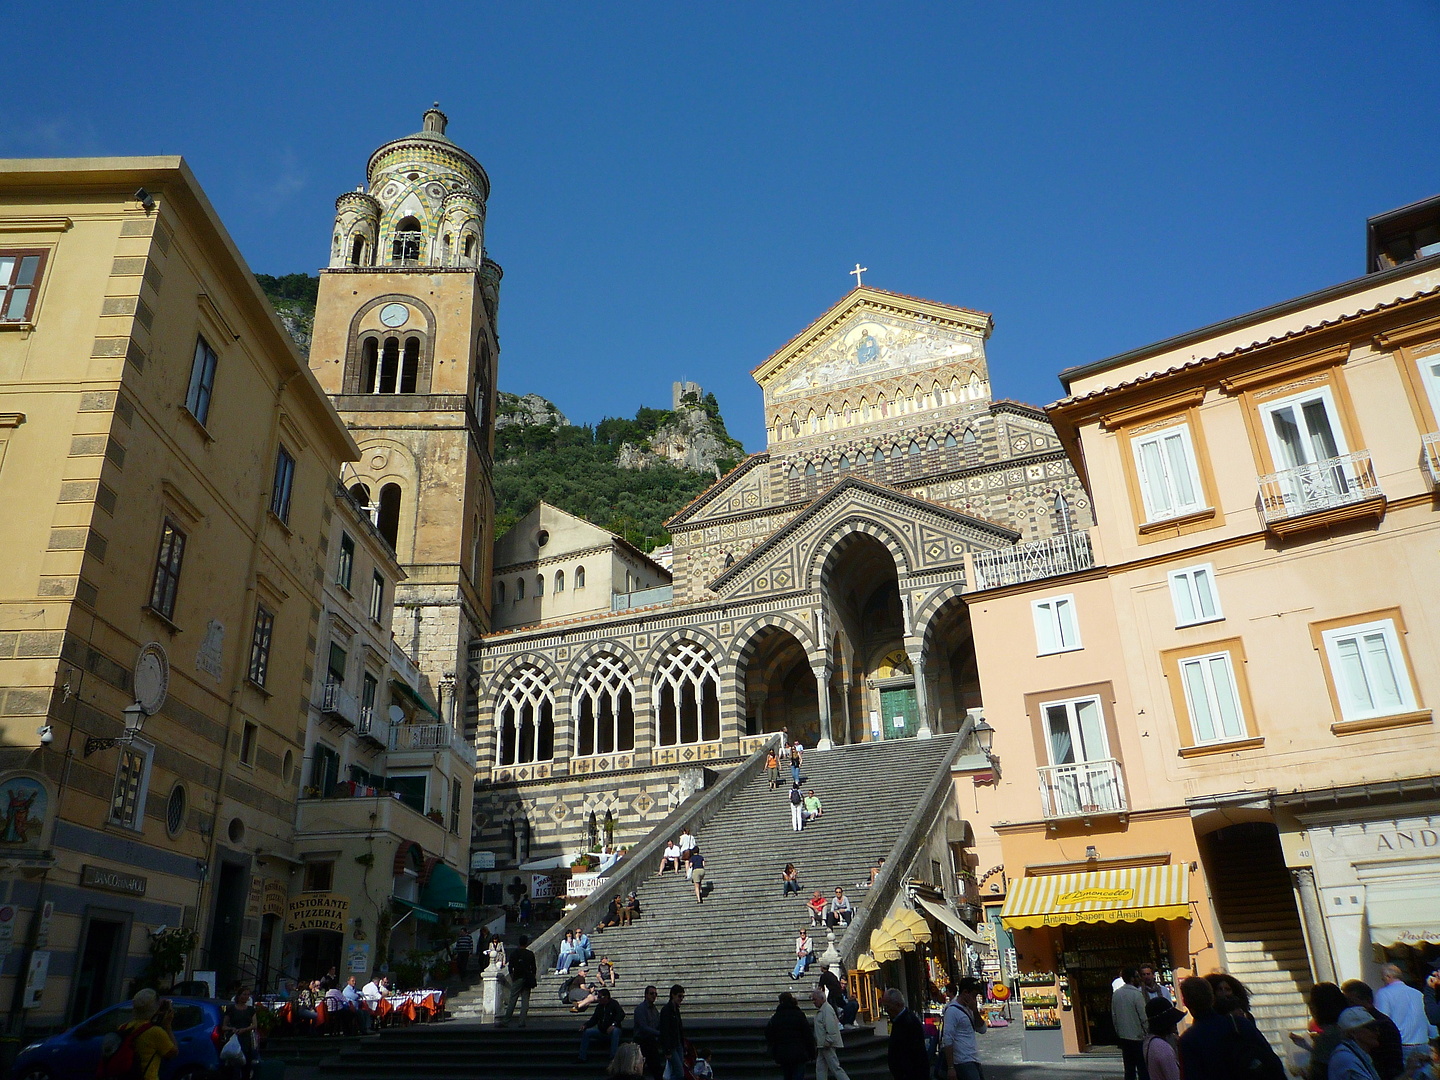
(350, 383)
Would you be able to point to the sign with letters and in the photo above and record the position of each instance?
(100, 877)
(275, 896)
(317, 911)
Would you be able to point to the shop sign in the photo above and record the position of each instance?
(35, 979)
(99, 877)
(541, 887)
(482, 860)
(317, 911)
(275, 897)
(1096, 896)
(584, 884)
(257, 891)
(357, 960)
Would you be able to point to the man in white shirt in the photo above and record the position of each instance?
(352, 997)
(1406, 1007)
(1127, 1013)
(958, 1051)
(670, 858)
(828, 1039)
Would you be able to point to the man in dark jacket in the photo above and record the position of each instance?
(647, 1033)
(522, 981)
(791, 1038)
(606, 1020)
(907, 1056)
(1388, 1057)
(672, 1035)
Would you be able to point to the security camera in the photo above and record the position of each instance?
(145, 199)
(47, 735)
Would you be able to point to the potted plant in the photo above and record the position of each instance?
(436, 816)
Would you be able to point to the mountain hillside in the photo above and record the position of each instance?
(627, 476)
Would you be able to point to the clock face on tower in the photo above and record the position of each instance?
(394, 314)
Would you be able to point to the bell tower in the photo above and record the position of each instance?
(405, 344)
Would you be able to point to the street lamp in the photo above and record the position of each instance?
(985, 739)
(134, 720)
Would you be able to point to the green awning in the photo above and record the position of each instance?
(422, 914)
(419, 699)
(446, 890)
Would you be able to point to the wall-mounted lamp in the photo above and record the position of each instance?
(134, 722)
(1092, 853)
(985, 739)
(47, 735)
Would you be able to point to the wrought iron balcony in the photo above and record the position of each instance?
(374, 725)
(1430, 447)
(1034, 560)
(1325, 485)
(1082, 789)
(339, 703)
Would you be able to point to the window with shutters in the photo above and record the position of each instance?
(1369, 670)
(1169, 477)
(132, 781)
(260, 644)
(1212, 698)
(167, 570)
(1193, 593)
(284, 481)
(1056, 629)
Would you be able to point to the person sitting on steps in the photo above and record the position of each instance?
(840, 910)
(791, 877)
(816, 904)
(671, 858)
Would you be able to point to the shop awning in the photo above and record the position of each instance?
(1402, 911)
(445, 890)
(1136, 894)
(422, 914)
(953, 921)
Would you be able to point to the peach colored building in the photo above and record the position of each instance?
(1229, 714)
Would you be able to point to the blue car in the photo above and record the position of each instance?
(75, 1054)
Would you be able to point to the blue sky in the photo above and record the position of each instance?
(680, 188)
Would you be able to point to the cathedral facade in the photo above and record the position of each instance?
(819, 588)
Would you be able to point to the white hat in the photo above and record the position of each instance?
(1354, 1018)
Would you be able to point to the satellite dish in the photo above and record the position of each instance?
(397, 714)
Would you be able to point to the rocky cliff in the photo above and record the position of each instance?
(513, 410)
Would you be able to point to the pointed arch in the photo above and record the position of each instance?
(525, 719)
(687, 696)
(602, 703)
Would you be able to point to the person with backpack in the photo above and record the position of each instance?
(797, 807)
(790, 1038)
(136, 1049)
(522, 981)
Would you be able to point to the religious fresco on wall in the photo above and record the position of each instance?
(23, 806)
(872, 346)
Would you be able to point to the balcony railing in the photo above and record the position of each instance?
(404, 666)
(374, 725)
(1327, 484)
(338, 702)
(1082, 789)
(661, 594)
(1033, 560)
(430, 737)
(1430, 445)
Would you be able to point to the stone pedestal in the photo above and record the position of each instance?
(492, 993)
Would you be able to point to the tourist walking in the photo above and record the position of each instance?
(605, 1022)
(239, 1020)
(1231, 995)
(797, 807)
(804, 953)
(1127, 1013)
(1406, 1006)
(1358, 1040)
(791, 878)
(828, 1040)
(797, 758)
(1220, 1046)
(464, 946)
(150, 1032)
(906, 1053)
(672, 1035)
(1389, 1053)
(697, 874)
(840, 910)
(1161, 1048)
(628, 1063)
(772, 766)
(1327, 1002)
(790, 1038)
(522, 981)
(960, 1024)
(687, 845)
(647, 1032)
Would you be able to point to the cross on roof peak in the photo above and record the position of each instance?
(857, 272)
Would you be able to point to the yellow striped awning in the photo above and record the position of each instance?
(1136, 894)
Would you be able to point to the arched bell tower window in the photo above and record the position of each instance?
(470, 246)
(369, 364)
(445, 249)
(405, 247)
(357, 251)
(389, 366)
(387, 520)
(410, 369)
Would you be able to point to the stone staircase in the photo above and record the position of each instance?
(1264, 942)
(734, 953)
(546, 1050)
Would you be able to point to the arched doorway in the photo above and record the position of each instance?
(863, 593)
(950, 666)
(780, 689)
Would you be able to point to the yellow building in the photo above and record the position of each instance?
(167, 458)
(1219, 752)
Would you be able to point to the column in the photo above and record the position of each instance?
(922, 692)
(822, 702)
(1312, 918)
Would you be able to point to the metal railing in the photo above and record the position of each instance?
(337, 701)
(1321, 485)
(1085, 787)
(404, 666)
(1035, 559)
(427, 737)
(1430, 447)
(661, 594)
(373, 724)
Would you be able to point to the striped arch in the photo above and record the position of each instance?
(503, 675)
(822, 557)
(706, 640)
(582, 658)
(747, 636)
(930, 607)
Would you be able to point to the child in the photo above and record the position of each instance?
(702, 1064)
